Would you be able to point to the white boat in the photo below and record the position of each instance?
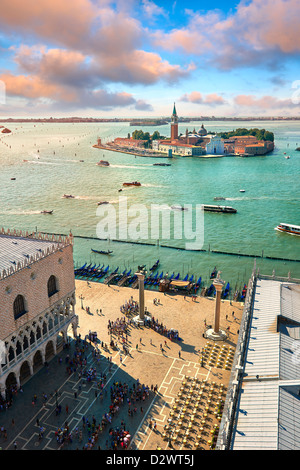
(242, 190)
(179, 208)
(213, 208)
(288, 228)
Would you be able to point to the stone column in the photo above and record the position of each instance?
(141, 316)
(218, 286)
(216, 333)
(141, 278)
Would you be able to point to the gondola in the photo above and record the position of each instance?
(210, 291)
(101, 252)
(214, 273)
(155, 266)
(226, 291)
(153, 280)
(198, 284)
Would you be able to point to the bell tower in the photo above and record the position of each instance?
(174, 125)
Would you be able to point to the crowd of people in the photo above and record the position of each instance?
(130, 307)
(118, 437)
(159, 327)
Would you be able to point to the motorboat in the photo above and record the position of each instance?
(102, 202)
(223, 209)
(68, 196)
(288, 228)
(46, 212)
(179, 208)
(242, 190)
(287, 157)
(219, 198)
(161, 164)
(134, 183)
(102, 163)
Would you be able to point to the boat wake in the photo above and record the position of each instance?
(20, 212)
(34, 162)
(150, 185)
(134, 167)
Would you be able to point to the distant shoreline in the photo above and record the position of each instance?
(142, 121)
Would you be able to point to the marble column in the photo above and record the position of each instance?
(215, 333)
(141, 278)
(218, 286)
(141, 316)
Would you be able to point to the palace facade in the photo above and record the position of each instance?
(37, 292)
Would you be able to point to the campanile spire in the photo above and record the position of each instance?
(174, 124)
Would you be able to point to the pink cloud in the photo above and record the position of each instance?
(264, 102)
(34, 87)
(52, 19)
(196, 97)
(255, 33)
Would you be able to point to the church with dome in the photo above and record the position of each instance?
(190, 143)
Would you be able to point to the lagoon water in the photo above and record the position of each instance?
(53, 168)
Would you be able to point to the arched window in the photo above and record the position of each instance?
(19, 306)
(52, 286)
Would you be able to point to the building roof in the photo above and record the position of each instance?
(269, 400)
(18, 250)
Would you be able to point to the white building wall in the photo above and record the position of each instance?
(215, 146)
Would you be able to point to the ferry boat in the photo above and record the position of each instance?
(224, 209)
(134, 183)
(288, 228)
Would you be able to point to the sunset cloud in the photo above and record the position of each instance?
(256, 33)
(196, 97)
(264, 102)
(128, 53)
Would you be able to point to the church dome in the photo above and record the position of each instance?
(202, 131)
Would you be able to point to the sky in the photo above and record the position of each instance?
(129, 58)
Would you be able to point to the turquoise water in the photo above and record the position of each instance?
(53, 153)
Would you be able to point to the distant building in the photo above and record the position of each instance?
(130, 142)
(202, 131)
(248, 144)
(37, 292)
(183, 145)
(174, 125)
(215, 146)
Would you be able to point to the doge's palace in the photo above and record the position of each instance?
(37, 302)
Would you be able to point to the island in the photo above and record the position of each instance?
(240, 142)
